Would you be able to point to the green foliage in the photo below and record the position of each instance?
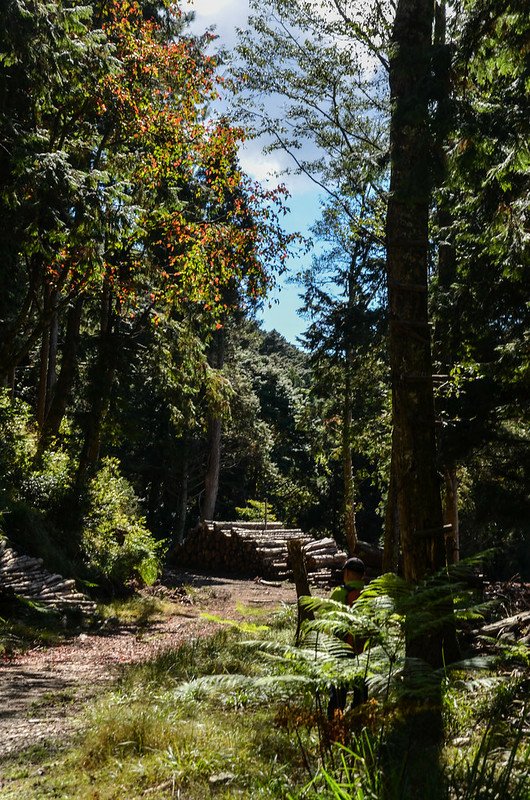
(480, 297)
(482, 774)
(256, 511)
(116, 542)
(24, 624)
(213, 708)
(49, 484)
(17, 445)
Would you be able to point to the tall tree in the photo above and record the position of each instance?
(479, 293)
(343, 296)
(407, 240)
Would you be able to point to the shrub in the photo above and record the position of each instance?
(18, 444)
(254, 511)
(115, 539)
(47, 486)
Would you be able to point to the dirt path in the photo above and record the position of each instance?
(43, 690)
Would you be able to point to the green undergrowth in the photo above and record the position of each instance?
(140, 610)
(228, 718)
(24, 624)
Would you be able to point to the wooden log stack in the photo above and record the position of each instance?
(253, 549)
(25, 577)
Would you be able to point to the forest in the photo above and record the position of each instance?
(140, 395)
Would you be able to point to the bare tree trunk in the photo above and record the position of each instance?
(63, 387)
(296, 560)
(51, 379)
(182, 501)
(350, 526)
(101, 385)
(213, 466)
(44, 360)
(452, 541)
(211, 479)
(391, 538)
(414, 443)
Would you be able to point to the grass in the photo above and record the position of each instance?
(24, 624)
(150, 738)
(139, 610)
(140, 738)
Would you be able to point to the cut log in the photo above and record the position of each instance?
(516, 622)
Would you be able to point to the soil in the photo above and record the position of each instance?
(43, 690)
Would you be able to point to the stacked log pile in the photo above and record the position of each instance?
(324, 561)
(253, 549)
(24, 576)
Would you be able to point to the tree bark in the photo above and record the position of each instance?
(414, 443)
(44, 357)
(51, 378)
(63, 387)
(452, 540)
(101, 385)
(182, 496)
(211, 479)
(213, 466)
(296, 561)
(391, 533)
(347, 466)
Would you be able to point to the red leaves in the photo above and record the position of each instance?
(207, 233)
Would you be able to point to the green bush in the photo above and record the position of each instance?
(18, 445)
(115, 539)
(254, 511)
(47, 485)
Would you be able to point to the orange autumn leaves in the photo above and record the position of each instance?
(206, 234)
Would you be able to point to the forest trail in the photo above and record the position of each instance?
(43, 691)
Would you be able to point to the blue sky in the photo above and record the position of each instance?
(280, 310)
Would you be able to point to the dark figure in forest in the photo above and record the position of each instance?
(347, 593)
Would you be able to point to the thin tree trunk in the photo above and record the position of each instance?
(51, 378)
(452, 541)
(44, 360)
(446, 332)
(63, 387)
(296, 561)
(391, 536)
(350, 526)
(211, 479)
(101, 385)
(213, 466)
(183, 491)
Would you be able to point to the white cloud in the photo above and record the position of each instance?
(259, 166)
(225, 15)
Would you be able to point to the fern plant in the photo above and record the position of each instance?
(353, 750)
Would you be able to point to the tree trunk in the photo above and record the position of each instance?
(51, 378)
(391, 535)
(48, 354)
(452, 540)
(211, 479)
(182, 497)
(63, 387)
(296, 561)
(350, 526)
(213, 466)
(101, 385)
(414, 444)
(447, 329)
(43, 377)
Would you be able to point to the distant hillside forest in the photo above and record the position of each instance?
(139, 394)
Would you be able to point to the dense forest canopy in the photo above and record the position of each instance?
(139, 393)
